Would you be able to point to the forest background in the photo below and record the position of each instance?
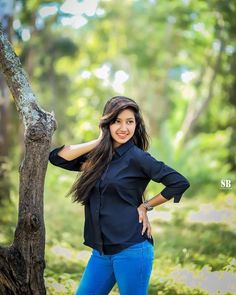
(177, 59)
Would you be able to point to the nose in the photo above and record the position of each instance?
(123, 127)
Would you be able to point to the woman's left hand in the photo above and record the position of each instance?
(143, 218)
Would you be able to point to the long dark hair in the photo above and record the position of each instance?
(101, 155)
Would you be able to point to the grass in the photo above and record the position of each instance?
(195, 241)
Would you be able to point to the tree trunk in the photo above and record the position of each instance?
(4, 141)
(6, 18)
(22, 263)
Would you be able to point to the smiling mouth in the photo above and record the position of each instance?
(121, 136)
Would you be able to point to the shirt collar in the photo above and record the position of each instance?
(124, 147)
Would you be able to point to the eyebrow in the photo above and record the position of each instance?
(126, 119)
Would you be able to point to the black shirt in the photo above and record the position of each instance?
(111, 216)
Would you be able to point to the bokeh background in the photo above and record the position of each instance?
(177, 59)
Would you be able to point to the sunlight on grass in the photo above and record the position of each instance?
(66, 286)
(57, 287)
(195, 242)
(83, 256)
(61, 251)
(216, 282)
(160, 215)
(207, 213)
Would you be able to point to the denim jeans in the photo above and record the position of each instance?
(131, 269)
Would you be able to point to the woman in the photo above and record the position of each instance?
(116, 169)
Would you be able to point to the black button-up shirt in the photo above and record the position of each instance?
(111, 216)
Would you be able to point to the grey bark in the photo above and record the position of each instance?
(22, 263)
(6, 13)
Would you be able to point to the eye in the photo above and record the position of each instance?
(130, 122)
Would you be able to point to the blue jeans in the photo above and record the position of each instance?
(131, 269)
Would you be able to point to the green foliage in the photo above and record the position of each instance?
(187, 243)
(179, 57)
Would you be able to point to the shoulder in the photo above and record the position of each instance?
(145, 162)
(140, 155)
(140, 152)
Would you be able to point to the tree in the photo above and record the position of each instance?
(6, 13)
(22, 263)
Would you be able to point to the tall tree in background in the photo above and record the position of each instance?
(22, 264)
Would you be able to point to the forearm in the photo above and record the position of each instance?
(157, 200)
(142, 211)
(71, 152)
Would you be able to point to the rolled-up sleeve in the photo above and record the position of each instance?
(73, 165)
(175, 183)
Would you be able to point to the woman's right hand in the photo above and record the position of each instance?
(143, 218)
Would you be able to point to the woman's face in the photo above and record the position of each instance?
(123, 128)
